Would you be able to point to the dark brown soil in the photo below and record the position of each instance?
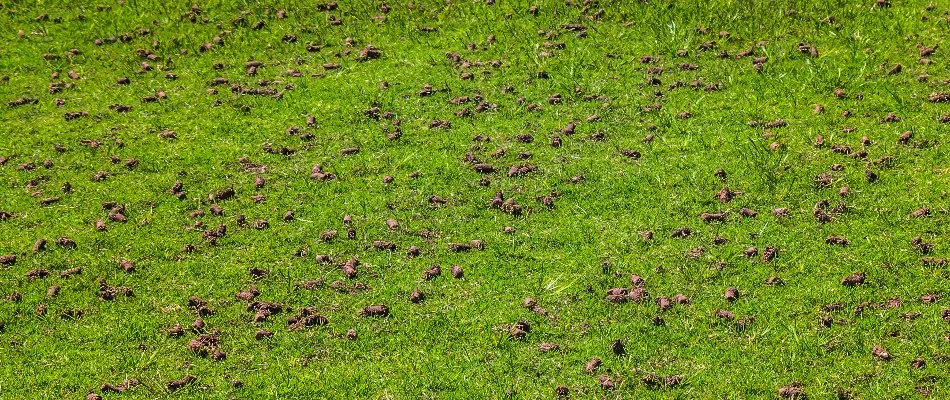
(939, 97)
(459, 247)
(638, 295)
(519, 330)
(179, 383)
(921, 246)
(681, 232)
(432, 273)
(732, 294)
(793, 391)
(349, 267)
(725, 195)
(316, 172)
(37, 274)
(680, 298)
(837, 240)
(262, 334)
(636, 280)
(175, 331)
(592, 365)
(375, 311)
(631, 154)
(710, 217)
(305, 318)
(617, 295)
(618, 347)
(724, 314)
(853, 279)
(881, 353)
(417, 296)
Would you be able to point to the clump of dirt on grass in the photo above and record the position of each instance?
(38, 273)
(837, 240)
(732, 294)
(205, 344)
(653, 380)
(924, 247)
(180, 383)
(248, 294)
(70, 272)
(725, 314)
(509, 206)
(519, 330)
(854, 279)
(384, 245)
(710, 217)
(617, 295)
(459, 247)
(682, 232)
(432, 273)
(417, 296)
(223, 194)
(349, 267)
(305, 318)
(592, 365)
(881, 353)
(8, 259)
(793, 391)
(379, 310)
(725, 195)
(317, 173)
(199, 306)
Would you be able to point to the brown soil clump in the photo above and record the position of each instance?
(853, 279)
(881, 353)
(305, 318)
(793, 391)
(380, 310)
(179, 383)
(681, 232)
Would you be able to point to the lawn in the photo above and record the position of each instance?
(474, 199)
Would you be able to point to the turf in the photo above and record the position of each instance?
(784, 339)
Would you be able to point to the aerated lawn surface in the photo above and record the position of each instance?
(460, 200)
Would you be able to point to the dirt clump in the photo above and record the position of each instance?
(855, 279)
(710, 217)
(379, 310)
(881, 353)
(305, 318)
(682, 232)
(432, 273)
(793, 391)
(179, 383)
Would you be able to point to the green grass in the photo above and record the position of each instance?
(455, 343)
